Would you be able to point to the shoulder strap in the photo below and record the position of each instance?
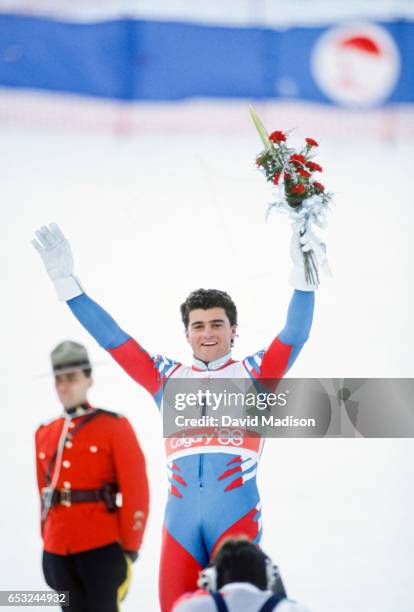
(220, 603)
(109, 412)
(271, 603)
(86, 419)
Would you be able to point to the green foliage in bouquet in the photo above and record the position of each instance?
(298, 193)
(283, 165)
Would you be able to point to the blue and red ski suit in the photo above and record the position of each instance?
(212, 487)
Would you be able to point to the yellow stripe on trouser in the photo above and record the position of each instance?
(123, 588)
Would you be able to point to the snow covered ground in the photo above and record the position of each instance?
(152, 217)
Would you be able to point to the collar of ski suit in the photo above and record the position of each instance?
(217, 364)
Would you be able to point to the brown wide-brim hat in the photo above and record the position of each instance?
(69, 356)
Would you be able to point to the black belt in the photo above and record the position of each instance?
(67, 497)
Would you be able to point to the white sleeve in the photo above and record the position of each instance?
(196, 604)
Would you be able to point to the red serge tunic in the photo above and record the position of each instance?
(104, 450)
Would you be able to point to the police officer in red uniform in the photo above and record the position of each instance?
(94, 492)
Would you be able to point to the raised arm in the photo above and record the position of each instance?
(285, 348)
(56, 254)
(147, 370)
(276, 360)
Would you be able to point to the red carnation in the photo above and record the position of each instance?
(277, 137)
(311, 142)
(319, 186)
(297, 157)
(299, 188)
(276, 178)
(286, 176)
(314, 167)
(303, 172)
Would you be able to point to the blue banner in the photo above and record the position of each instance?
(130, 59)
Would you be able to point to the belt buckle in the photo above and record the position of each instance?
(65, 497)
(46, 493)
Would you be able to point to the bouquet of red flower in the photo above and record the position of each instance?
(297, 192)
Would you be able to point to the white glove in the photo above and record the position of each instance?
(55, 251)
(299, 245)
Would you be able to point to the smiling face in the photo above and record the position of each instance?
(72, 388)
(209, 333)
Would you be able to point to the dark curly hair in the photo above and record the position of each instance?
(208, 298)
(239, 560)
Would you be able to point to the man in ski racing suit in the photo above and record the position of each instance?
(212, 488)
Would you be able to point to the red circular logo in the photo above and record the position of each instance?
(356, 65)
